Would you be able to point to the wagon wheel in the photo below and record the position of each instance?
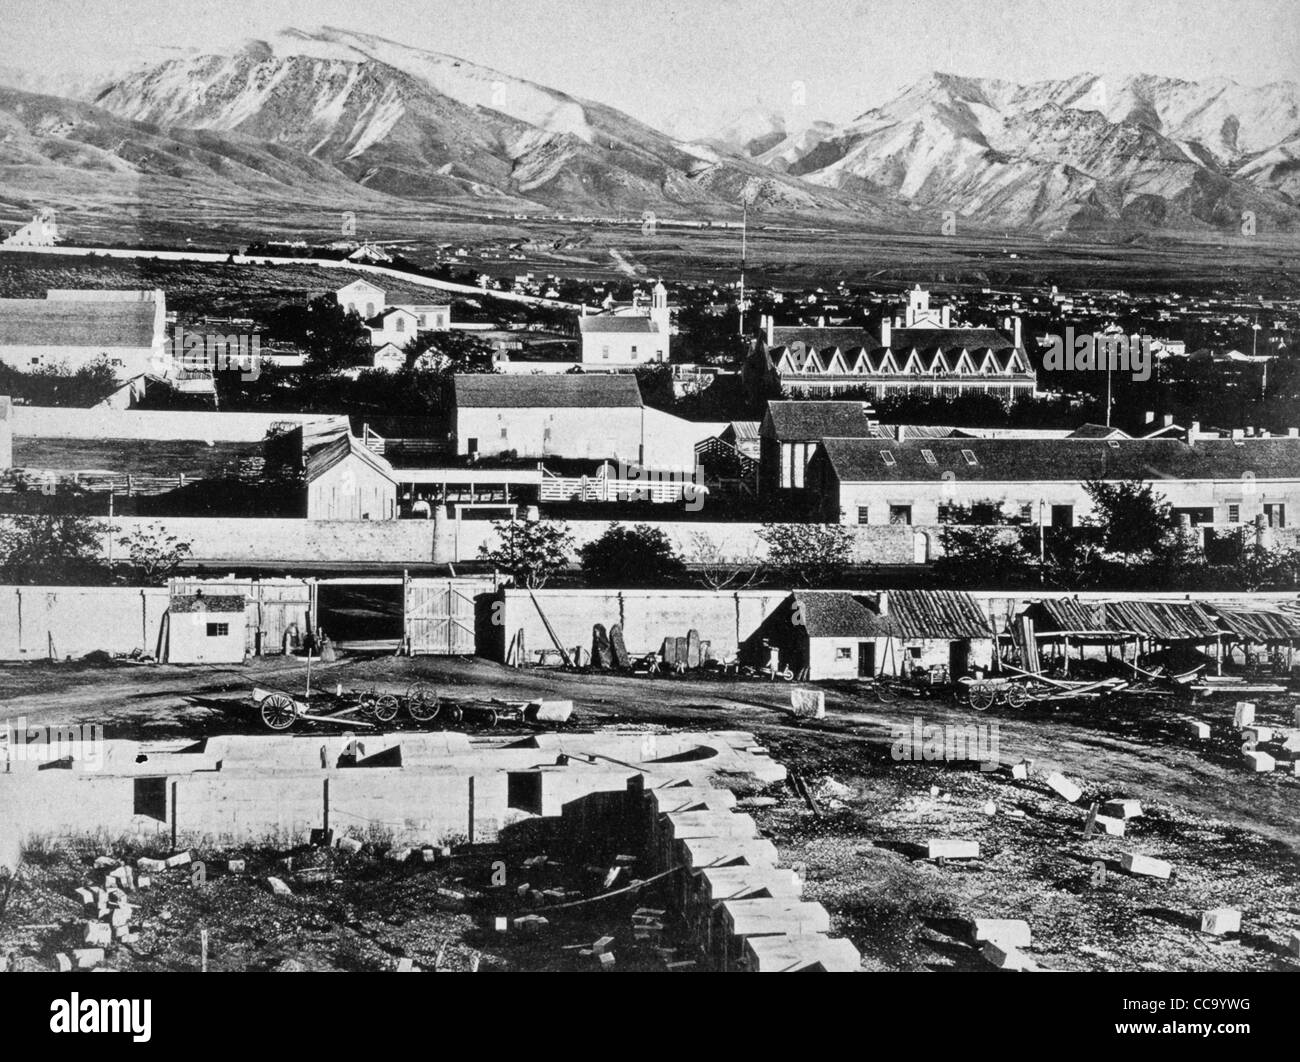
(386, 708)
(422, 702)
(982, 696)
(278, 711)
(884, 694)
(1017, 695)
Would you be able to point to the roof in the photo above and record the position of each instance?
(858, 460)
(837, 614)
(580, 390)
(943, 614)
(1161, 621)
(923, 339)
(1097, 431)
(743, 430)
(599, 323)
(817, 338)
(1257, 624)
(817, 420)
(76, 323)
(207, 603)
(327, 443)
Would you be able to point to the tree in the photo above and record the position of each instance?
(1133, 519)
(451, 352)
(637, 556)
(975, 556)
(808, 554)
(530, 550)
(154, 554)
(52, 549)
(717, 571)
(334, 338)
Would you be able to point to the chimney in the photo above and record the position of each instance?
(1149, 417)
(1167, 420)
(1193, 432)
(1293, 433)
(1250, 431)
(821, 322)
(886, 332)
(1018, 343)
(947, 316)
(902, 430)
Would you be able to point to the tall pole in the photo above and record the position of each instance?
(744, 236)
(1108, 367)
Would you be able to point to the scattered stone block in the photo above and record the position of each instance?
(116, 898)
(236, 866)
(1220, 921)
(150, 865)
(602, 944)
(1006, 957)
(87, 958)
(348, 844)
(313, 875)
(1063, 787)
(98, 934)
(63, 963)
(279, 887)
(406, 966)
(1295, 768)
(502, 924)
(1291, 743)
(1145, 866)
(1199, 730)
(451, 894)
(990, 808)
(428, 855)
(143, 881)
(399, 855)
(1257, 733)
(104, 862)
(606, 960)
(1259, 762)
(1009, 932)
(122, 932)
(947, 849)
(1122, 809)
(86, 896)
(120, 916)
(1020, 771)
(1244, 714)
(178, 859)
(1109, 826)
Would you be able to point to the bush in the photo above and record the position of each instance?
(637, 556)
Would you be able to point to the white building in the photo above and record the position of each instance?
(624, 339)
(76, 328)
(394, 323)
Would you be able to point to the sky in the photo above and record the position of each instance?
(696, 63)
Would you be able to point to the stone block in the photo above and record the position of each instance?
(1243, 714)
(279, 887)
(1259, 762)
(1145, 866)
(348, 844)
(1011, 932)
(1006, 957)
(98, 934)
(1122, 809)
(87, 958)
(1220, 921)
(1063, 787)
(1198, 730)
(1109, 826)
(177, 859)
(948, 849)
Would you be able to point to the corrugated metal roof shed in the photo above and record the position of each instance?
(940, 614)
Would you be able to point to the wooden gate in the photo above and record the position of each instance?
(270, 607)
(439, 615)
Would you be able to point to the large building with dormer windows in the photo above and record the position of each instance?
(921, 350)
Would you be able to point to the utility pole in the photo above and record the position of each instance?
(744, 236)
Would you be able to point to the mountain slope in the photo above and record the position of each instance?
(422, 125)
(1076, 153)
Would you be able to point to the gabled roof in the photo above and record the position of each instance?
(598, 324)
(838, 614)
(90, 323)
(581, 390)
(327, 443)
(803, 421)
(1097, 431)
(941, 614)
(858, 460)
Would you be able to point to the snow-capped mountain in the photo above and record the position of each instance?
(1080, 152)
(424, 125)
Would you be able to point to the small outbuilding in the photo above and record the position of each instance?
(206, 629)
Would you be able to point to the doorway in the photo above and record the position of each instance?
(866, 659)
(958, 659)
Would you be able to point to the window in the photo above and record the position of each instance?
(969, 455)
(634, 350)
(929, 457)
(844, 652)
(370, 309)
(1027, 511)
(604, 352)
(1062, 515)
(863, 510)
(505, 433)
(1275, 514)
(900, 514)
(546, 435)
(888, 457)
(218, 630)
(1234, 514)
(401, 324)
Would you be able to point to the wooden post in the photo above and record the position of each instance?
(203, 950)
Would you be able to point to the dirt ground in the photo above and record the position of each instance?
(1232, 836)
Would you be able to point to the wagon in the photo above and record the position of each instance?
(280, 710)
(982, 693)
